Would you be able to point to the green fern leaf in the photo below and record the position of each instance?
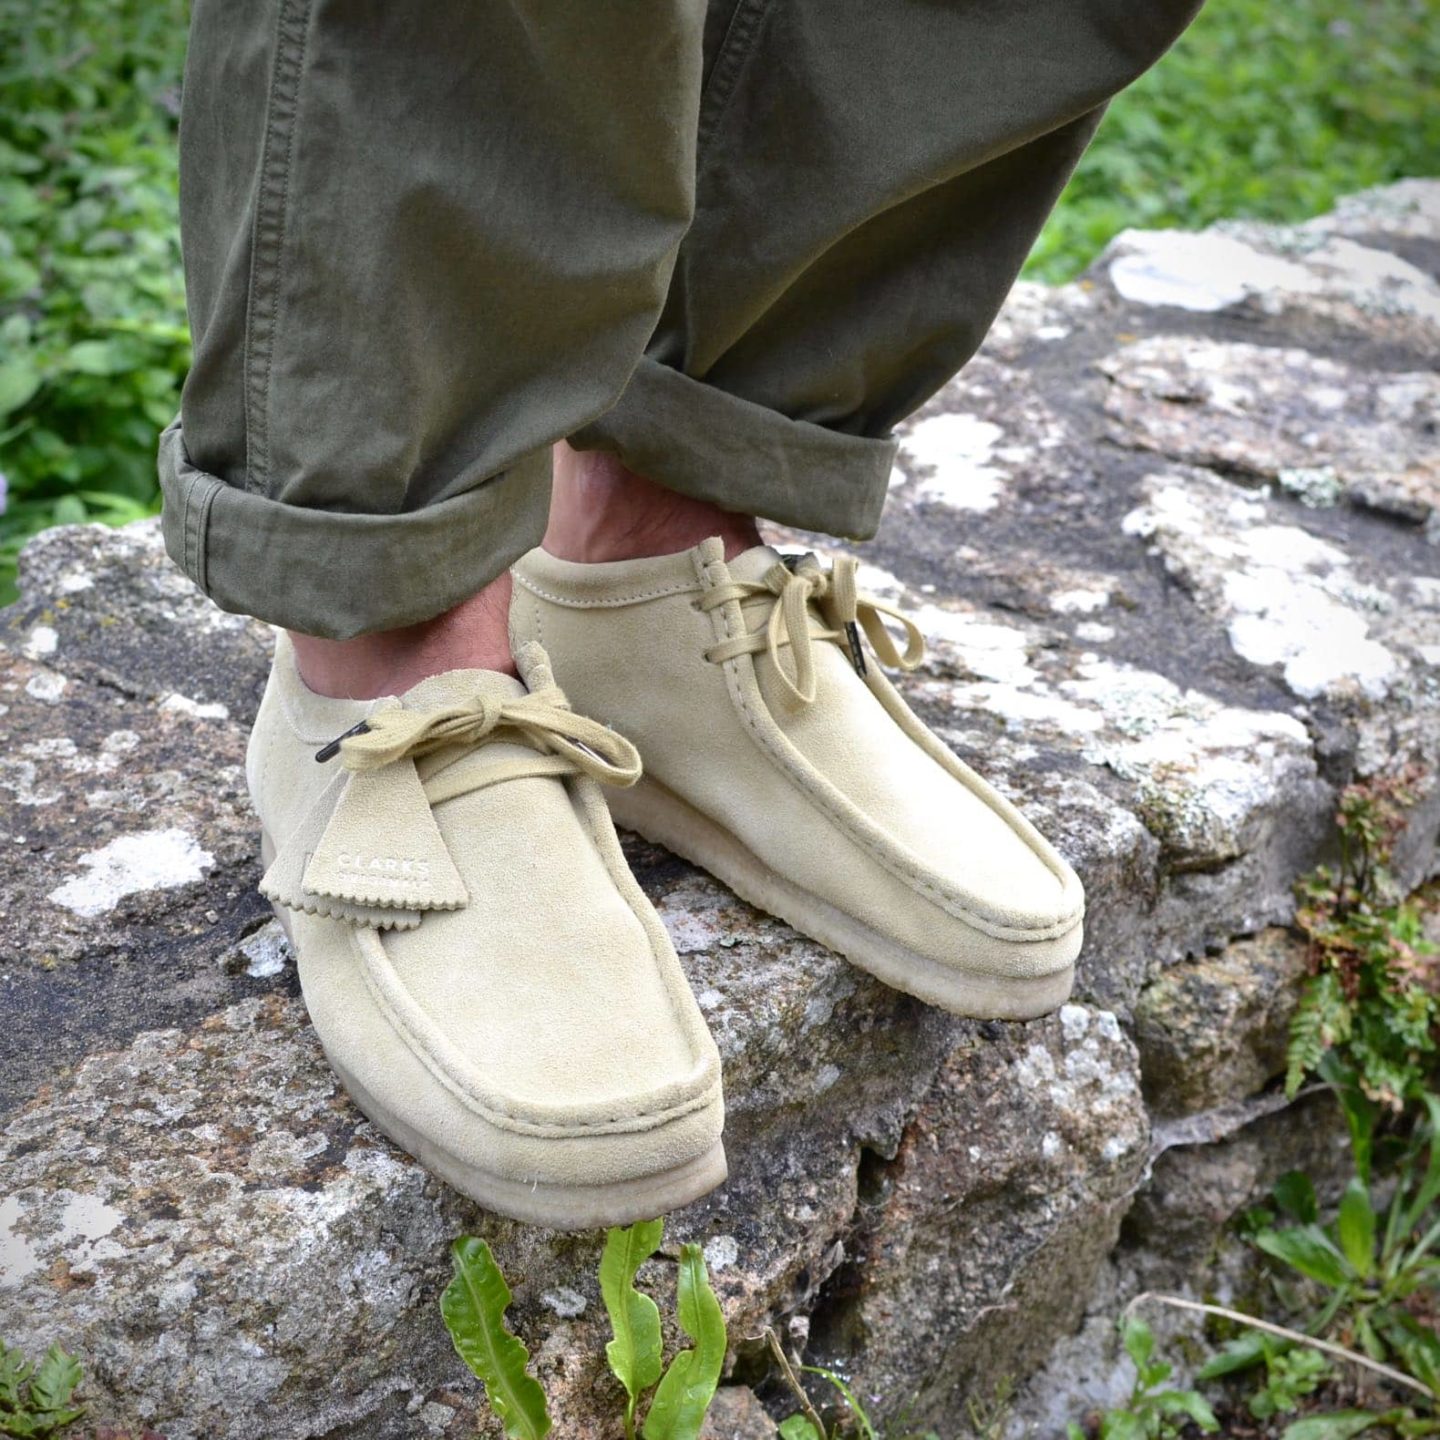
(688, 1386)
(634, 1353)
(474, 1305)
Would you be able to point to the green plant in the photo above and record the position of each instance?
(1372, 1001)
(1346, 1424)
(474, 1304)
(634, 1354)
(93, 342)
(807, 1423)
(1261, 110)
(35, 1400)
(1151, 1413)
(1290, 1375)
(1373, 1272)
(678, 1408)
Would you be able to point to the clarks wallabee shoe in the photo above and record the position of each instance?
(486, 977)
(779, 758)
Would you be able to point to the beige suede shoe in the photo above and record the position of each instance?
(486, 977)
(802, 779)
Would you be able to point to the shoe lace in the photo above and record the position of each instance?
(793, 586)
(541, 719)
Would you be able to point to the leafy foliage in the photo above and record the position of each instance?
(1373, 998)
(92, 333)
(634, 1353)
(1261, 110)
(474, 1305)
(1369, 1280)
(1152, 1412)
(688, 1386)
(35, 1399)
(1290, 1375)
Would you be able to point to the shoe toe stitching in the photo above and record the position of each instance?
(699, 1092)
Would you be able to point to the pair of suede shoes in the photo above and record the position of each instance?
(485, 975)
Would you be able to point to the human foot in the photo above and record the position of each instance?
(487, 979)
(601, 511)
(778, 757)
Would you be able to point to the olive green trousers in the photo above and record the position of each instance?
(733, 244)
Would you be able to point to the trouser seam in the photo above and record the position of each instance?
(201, 572)
(735, 50)
(268, 242)
(186, 563)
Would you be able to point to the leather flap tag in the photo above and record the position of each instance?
(284, 881)
(382, 846)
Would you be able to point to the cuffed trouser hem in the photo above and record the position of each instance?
(340, 575)
(704, 442)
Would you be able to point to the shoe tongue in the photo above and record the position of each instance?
(751, 566)
(456, 685)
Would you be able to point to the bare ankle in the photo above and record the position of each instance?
(601, 511)
(472, 636)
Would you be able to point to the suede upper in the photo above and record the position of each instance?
(495, 974)
(847, 794)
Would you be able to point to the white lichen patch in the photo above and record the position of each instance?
(983, 647)
(267, 951)
(565, 1302)
(952, 452)
(1285, 597)
(1079, 602)
(691, 932)
(37, 1229)
(1208, 271)
(46, 687)
(129, 865)
(22, 779)
(19, 1259)
(1271, 268)
(41, 641)
(184, 705)
(721, 1252)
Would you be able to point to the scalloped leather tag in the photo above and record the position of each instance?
(383, 848)
(284, 880)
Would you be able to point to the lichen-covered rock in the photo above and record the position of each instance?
(1213, 1030)
(737, 1414)
(1172, 537)
(1256, 411)
(978, 1243)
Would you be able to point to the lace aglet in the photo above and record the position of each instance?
(330, 751)
(857, 653)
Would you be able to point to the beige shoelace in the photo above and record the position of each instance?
(542, 719)
(846, 609)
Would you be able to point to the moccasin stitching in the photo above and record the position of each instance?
(677, 988)
(609, 601)
(513, 1118)
(903, 870)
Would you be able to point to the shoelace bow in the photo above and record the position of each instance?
(846, 609)
(542, 719)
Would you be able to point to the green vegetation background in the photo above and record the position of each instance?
(1263, 109)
